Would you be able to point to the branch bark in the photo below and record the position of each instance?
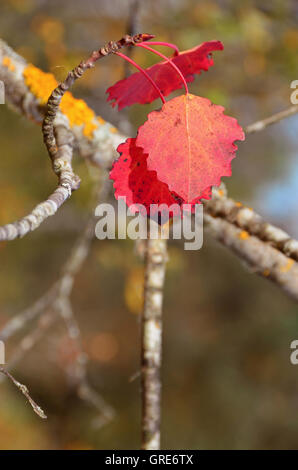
(262, 258)
(151, 337)
(260, 125)
(25, 392)
(247, 219)
(58, 139)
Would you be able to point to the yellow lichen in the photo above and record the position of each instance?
(243, 235)
(287, 267)
(113, 130)
(89, 128)
(77, 111)
(42, 84)
(7, 62)
(100, 120)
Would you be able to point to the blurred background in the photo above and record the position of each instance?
(227, 377)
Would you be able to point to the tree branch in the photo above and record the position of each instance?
(247, 219)
(151, 337)
(58, 140)
(25, 392)
(263, 259)
(68, 181)
(58, 299)
(260, 125)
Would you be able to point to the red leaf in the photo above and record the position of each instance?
(137, 89)
(189, 143)
(133, 181)
(140, 186)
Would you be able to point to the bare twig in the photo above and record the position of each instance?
(20, 321)
(55, 99)
(132, 28)
(25, 392)
(260, 125)
(68, 181)
(59, 139)
(261, 257)
(58, 299)
(91, 396)
(155, 266)
(133, 25)
(32, 338)
(26, 91)
(247, 219)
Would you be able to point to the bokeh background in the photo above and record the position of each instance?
(227, 377)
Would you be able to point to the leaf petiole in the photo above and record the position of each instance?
(132, 62)
(166, 44)
(169, 61)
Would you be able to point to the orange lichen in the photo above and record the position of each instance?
(287, 267)
(220, 192)
(266, 272)
(77, 111)
(243, 235)
(7, 62)
(42, 84)
(89, 128)
(100, 120)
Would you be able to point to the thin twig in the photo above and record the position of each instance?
(25, 392)
(58, 297)
(54, 100)
(133, 26)
(32, 338)
(151, 338)
(18, 322)
(260, 125)
(58, 139)
(68, 182)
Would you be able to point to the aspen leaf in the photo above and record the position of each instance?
(190, 145)
(137, 89)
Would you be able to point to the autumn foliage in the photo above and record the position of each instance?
(136, 89)
(184, 148)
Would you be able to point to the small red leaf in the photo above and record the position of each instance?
(136, 89)
(190, 144)
(133, 180)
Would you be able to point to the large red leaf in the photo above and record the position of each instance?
(137, 89)
(190, 144)
(133, 181)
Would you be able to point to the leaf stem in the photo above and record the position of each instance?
(132, 62)
(169, 61)
(166, 44)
